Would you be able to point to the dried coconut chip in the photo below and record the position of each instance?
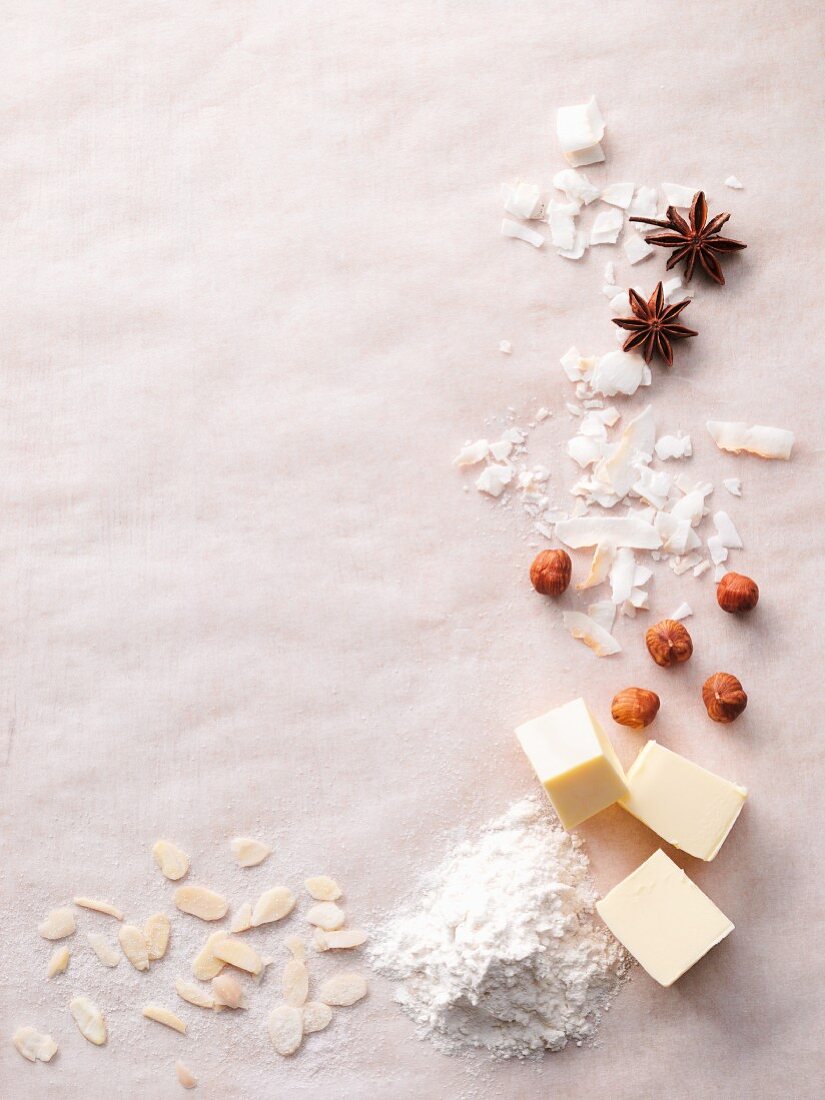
(636, 248)
(273, 905)
(726, 531)
(156, 932)
(618, 194)
(239, 954)
(99, 907)
(185, 1076)
(286, 1029)
(242, 919)
(173, 862)
(494, 480)
(34, 1045)
(472, 453)
(579, 248)
(248, 852)
(327, 915)
(505, 347)
(200, 902)
(580, 129)
(586, 630)
(59, 924)
(673, 446)
(344, 988)
(134, 945)
(521, 232)
(644, 203)
(733, 486)
(316, 1016)
(165, 1016)
(523, 199)
(295, 983)
(677, 195)
(735, 183)
(58, 962)
(194, 994)
(228, 992)
(89, 1020)
(683, 611)
(205, 965)
(107, 954)
(619, 372)
(736, 436)
(613, 531)
(323, 888)
(607, 227)
(576, 186)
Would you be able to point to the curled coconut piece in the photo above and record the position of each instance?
(89, 1020)
(59, 924)
(736, 436)
(286, 1029)
(34, 1045)
(594, 636)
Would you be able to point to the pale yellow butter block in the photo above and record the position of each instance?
(663, 919)
(574, 762)
(689, 807)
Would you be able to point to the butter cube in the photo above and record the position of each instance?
(663, 919)
(574, 762)
(687, 806)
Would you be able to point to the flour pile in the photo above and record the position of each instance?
(503, 951)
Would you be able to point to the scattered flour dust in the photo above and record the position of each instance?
(503, 951)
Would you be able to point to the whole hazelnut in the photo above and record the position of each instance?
(736, 592)
(635, 707)
(551, 571)
(669, 643)
(723, 696)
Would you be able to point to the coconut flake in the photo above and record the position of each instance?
(674, 446)
(636, 248)
(622, 575)
(619, 372)
(606, 227)
(653, 486)
(523, 200)
(562, 230)
(599, 566)
(733, 486)
(578, 250)
(718, 552)
(618, 194)
(683, 611)
(644, 203)
(577, 367)
(610, 272)
(494, 479)
(735, 183)
(615, 531)
(521, 232)
(587, 630)
(736, 436)
(580, 129)
(677, 195)
(505, 347)
(576, 186)
(726, 531)
(604, 613)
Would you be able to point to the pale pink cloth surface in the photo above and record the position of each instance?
(252, 296)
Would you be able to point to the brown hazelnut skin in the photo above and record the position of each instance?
(669, 643)
(635, 707)
(551, 571)
(723, 697)
(736, 592)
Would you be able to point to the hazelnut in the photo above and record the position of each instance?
(635, 707)
(550, 572)
(723, 696)
(736, 592)
(669, 643)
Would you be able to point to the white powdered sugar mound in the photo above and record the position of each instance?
(503, 951)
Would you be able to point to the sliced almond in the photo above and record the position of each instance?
(343, 939)
(344, 988)
(295, 983)
(156, 932)
(89, 1020)
(239, 954)
(248, 852)
(194, 994)
(134, 945)
(34, 1045)
(274, 904)
(164, 1016)
(205, 965)
(200, 902)
(228, 991)
(173, 862)
(242, 919)
(57, 925)
(185, 1076)
(286, 1029)
(58, 962)
(327, 915)
(107, 954)
(323, 888)
(296, 947)
(99, 907)
(319, 940)
(316, 1015)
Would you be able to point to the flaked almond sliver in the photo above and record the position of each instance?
(296, 947)
(107, 954)
(274, 904)
(156, 932)
(173, 862)
(327, 915)
(295, 983)
(316, 1016)
(228, 991)
(286, 1029)
(165, 1016)
(201, 902)
(248, 852)
(99, 907)
(34, 1045)
(185, 1076)
(135, 948)
(205, 965)
(242, 919)
(319, 940)
(58, 962)
(344, 988)
(323, 888)
(345, 938)
(89, 1020)
(239, 954)
(194, 994)
(59, 924)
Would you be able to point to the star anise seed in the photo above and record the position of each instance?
(654, 325)
(697, 240)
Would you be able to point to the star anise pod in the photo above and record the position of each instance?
(695, 240)
(654, 325)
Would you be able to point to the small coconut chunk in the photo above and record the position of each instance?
(580, 129)
(107, 954)
(316, 1016)
(89, 1020)
(165, 1016)
(636, 248)
(505, 347)
(323, 888)
(580, 246)
(344, 988)
(619, 372)
(618, 194)
(295, 983)
(273, 905)
(99, 907)
(248, 852)
(736, 436)
(242, 919)
(735, 183)
(206, 965)
(576, 186)
(733, 486)
(644, 203)
(286, 1029)
(185, 1076)
(201, 902)
(673, 446)
(58, 962)
(228, 991)
(718, 552)
(494, 479)
(34, 1045)
(520, 232)
(701, 568)
(607, 227)
(156, 932)
(353, 937)
(59, 924)
(173, 862)
(327, 915)
(726, 531)
(586, 630)
(562, 229)
(472, 453)
(683, 611)
(239, 954)
(614, 531)
(194, 994)
(296, 947)
(677, 195)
